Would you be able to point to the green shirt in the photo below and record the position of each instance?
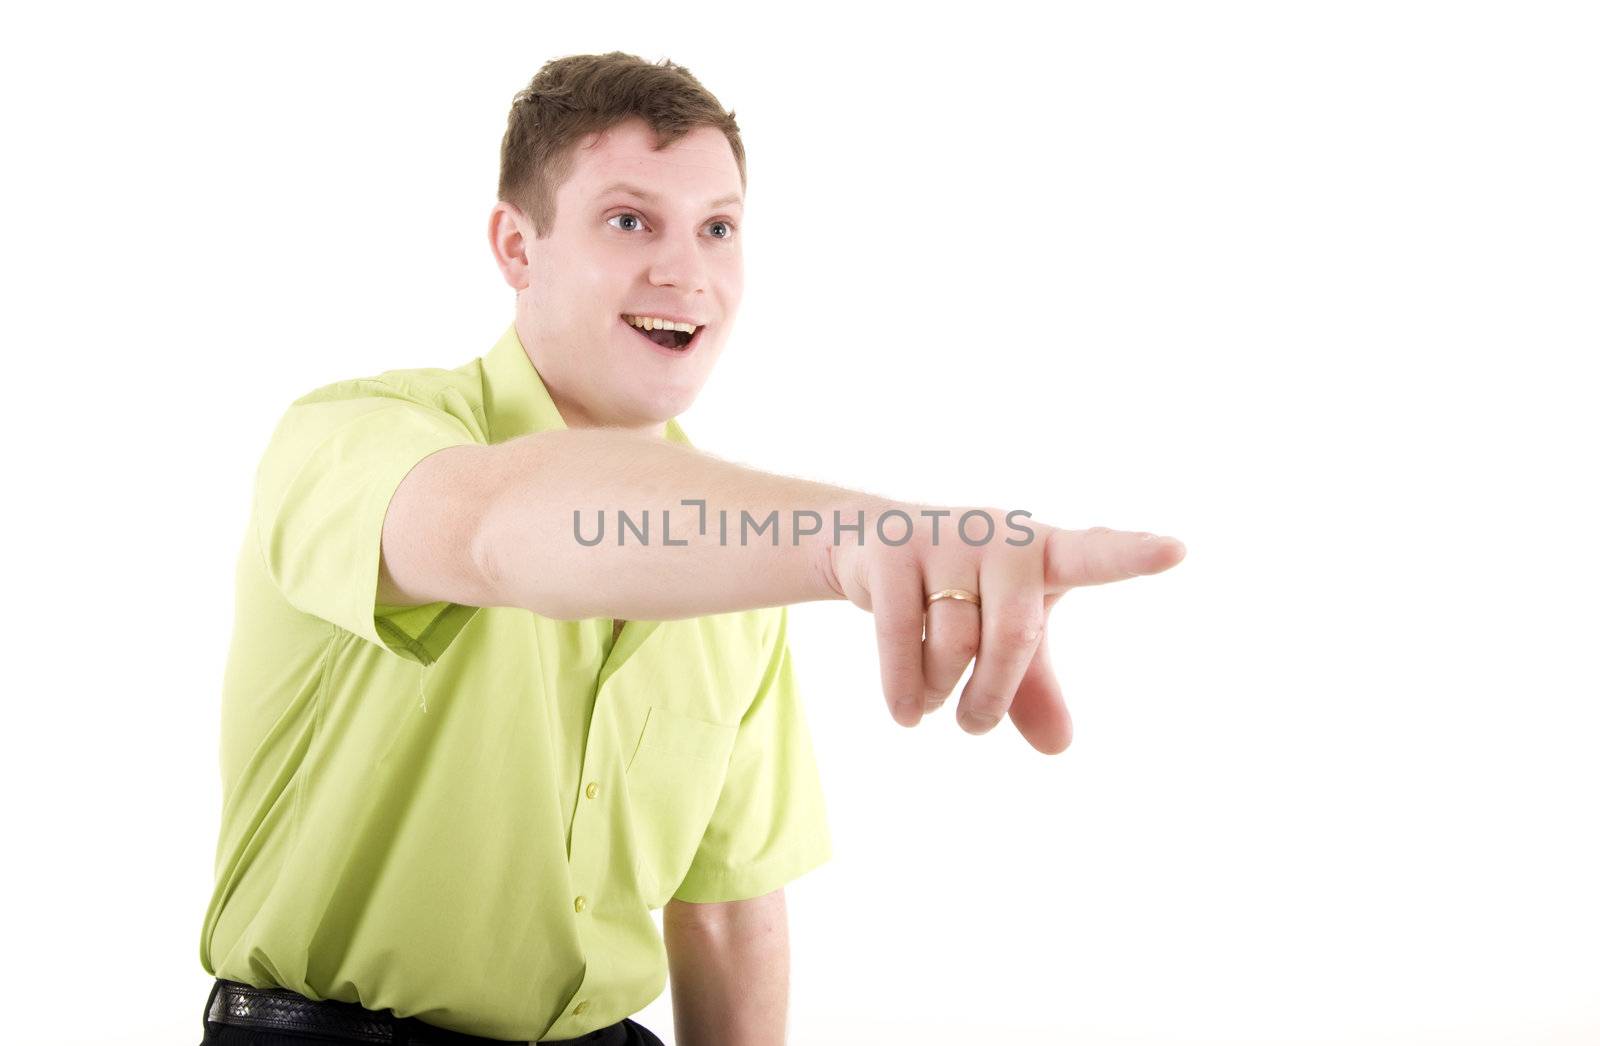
(462, 814)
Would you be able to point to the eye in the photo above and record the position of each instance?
(727, 225)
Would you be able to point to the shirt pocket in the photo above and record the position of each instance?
(674, 778)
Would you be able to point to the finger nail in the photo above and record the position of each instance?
(980, 722)
(907, 713)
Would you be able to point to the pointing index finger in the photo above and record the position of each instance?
(1100, 555)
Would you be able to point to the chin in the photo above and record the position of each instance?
(673, 403)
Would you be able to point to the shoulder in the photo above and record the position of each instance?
(455, 392)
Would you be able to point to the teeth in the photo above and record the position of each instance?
(654, 323)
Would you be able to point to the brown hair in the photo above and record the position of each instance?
(570, 98)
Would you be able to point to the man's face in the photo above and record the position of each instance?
(676, 254)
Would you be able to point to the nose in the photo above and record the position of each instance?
(678, 262)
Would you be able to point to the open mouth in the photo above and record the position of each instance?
(670, 340)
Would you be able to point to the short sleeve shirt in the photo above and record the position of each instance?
(466, 815)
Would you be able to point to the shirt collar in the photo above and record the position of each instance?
(516, 400)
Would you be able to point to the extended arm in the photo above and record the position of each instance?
(729, 964)
(494, 526)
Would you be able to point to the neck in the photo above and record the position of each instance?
(573, 415)
(578, 418)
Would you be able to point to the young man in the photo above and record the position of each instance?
(466, 748)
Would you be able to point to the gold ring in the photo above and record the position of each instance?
(955, 593)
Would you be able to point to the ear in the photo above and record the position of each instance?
(510, 233)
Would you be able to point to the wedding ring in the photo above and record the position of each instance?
(954, 593)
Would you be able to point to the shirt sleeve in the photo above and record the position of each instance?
(770, 824)
(321, 492)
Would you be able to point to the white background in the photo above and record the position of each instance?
(1309, 286)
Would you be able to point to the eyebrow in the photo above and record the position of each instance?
(650, 197)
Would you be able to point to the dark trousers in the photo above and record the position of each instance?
(223, 1029)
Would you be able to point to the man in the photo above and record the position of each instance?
(467, 748)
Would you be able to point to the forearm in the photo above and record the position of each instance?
(729, 965)
(555, 487)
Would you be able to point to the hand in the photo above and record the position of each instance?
(923, 650)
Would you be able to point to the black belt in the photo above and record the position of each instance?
(284, 1011)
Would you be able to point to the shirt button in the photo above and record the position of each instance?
(592, 791)
(582, 1006)
(579, 903)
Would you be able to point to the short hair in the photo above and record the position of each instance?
(576, 96)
